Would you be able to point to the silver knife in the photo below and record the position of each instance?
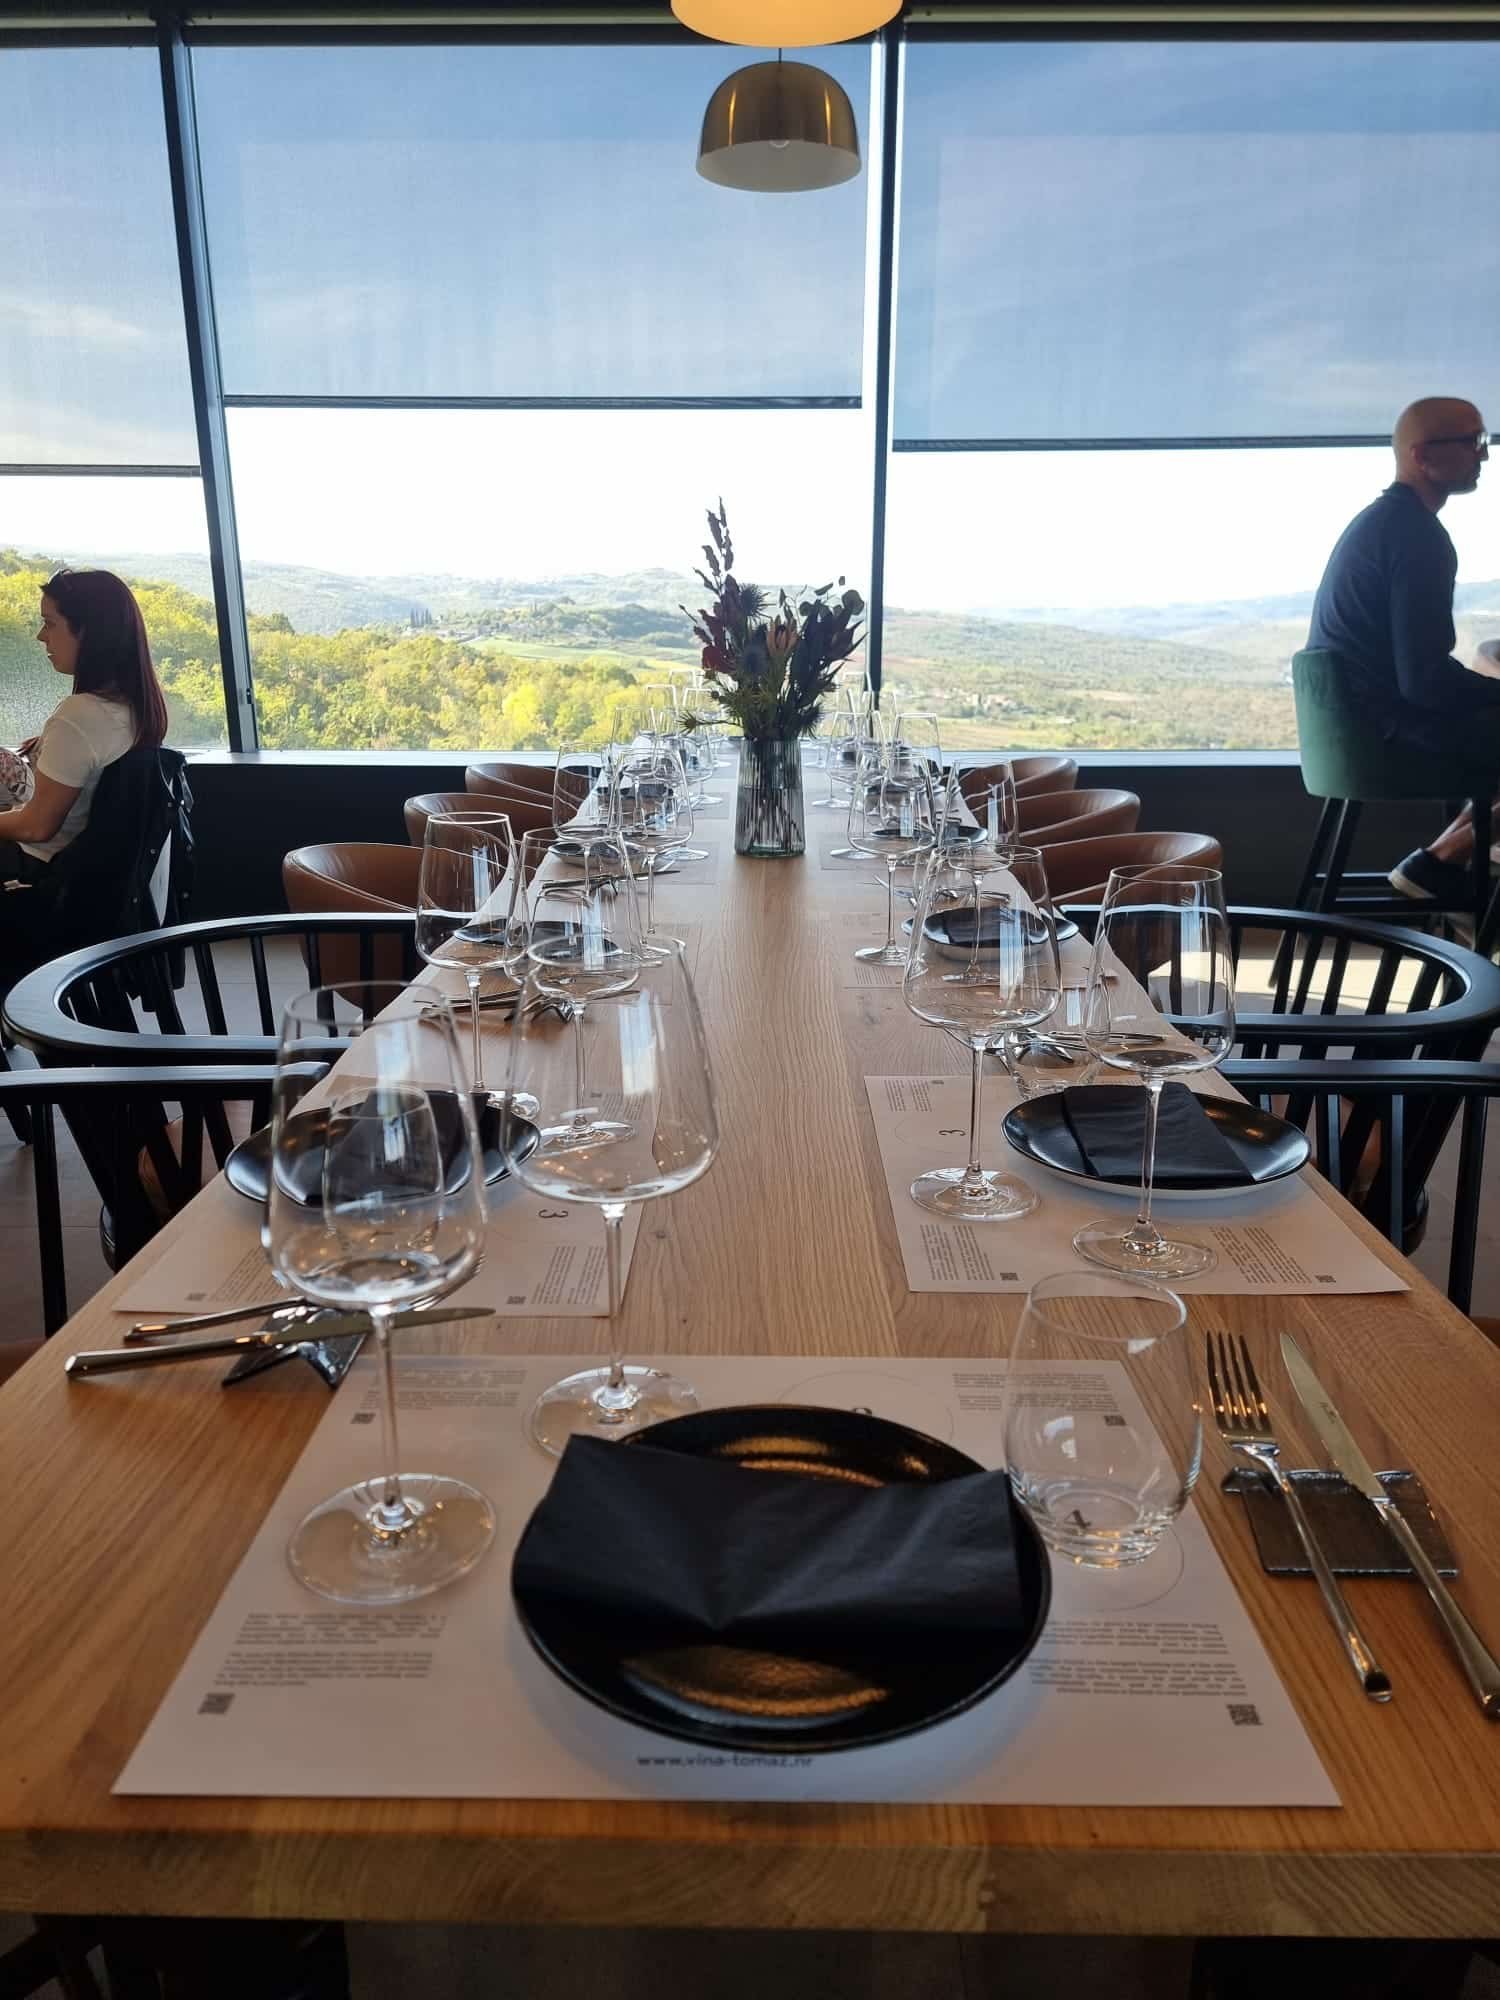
(1479, 1664)
(155, 1329)
(108, 1360)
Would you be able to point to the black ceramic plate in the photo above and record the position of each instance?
(776, 1703)
(1064, 926)
(1267, 1147)
(247, 1167)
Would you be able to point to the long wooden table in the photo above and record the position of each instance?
(129, 1501)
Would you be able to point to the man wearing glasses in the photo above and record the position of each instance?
(1385, 606)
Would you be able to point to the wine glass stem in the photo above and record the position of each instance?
(974, 1172)
(1143, 1234)
(614, 1397)
(392, 1514)
(650, 893)
(580, 1117)
(473, 979)
(890, 902)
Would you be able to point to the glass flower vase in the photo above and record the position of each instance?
(768, 799)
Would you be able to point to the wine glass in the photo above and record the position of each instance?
(376, 1203)
(580, 794)
(891, 817)
(1102, 1475)
(1160, 1003)
(575, 915)
(982, 960)
(649, 1076)
(652, 807)
(916, 732)
(461, 902)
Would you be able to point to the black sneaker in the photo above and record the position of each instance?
(1427, 880)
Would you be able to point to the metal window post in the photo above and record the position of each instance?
(888, 64)
(208, 401)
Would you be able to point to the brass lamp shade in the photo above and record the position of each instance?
(778, 128)
(784, 24)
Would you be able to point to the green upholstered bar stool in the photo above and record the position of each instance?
(1346, 762)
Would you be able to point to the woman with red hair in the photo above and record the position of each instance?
(93, 632)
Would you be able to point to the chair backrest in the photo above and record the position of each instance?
(523, 790)
(138, 839)
(1044, 774)
(419, 810)
(1048, 817)
(1078, 870)
(118, 1118)
(1346, 750)
(1342, 1104)
(361, 877)
(83, 1008)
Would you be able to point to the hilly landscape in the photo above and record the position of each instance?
(446, 661)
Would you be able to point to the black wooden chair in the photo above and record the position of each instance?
(119, 1117)
(1386, 1093)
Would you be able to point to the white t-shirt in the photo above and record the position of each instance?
(82, 735)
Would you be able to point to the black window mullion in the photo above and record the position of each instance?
(880, 392)
(208, 402)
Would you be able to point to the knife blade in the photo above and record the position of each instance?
(1478, 1663)
(110, 1360)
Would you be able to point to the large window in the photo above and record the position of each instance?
(479, 347)
(519, 226)
(1216, 243)
(94, 374)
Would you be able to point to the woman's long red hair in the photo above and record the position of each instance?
(113, 655)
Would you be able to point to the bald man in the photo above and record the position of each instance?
(1385, 606)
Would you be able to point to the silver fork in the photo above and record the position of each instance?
(1244, 1422)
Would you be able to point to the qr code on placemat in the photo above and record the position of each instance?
(1244, 1714)
(215, 1704)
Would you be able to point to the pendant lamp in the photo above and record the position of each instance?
(785, 24)
(779, 128)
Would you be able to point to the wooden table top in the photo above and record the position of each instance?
(130, 1501)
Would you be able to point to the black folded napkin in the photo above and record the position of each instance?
(668, 1549)
(1108, 1124)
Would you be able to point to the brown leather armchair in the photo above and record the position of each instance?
(1048, 817)
(419, 810)
(524, 791)
(1033, 775)
(1078, 870)
(352, 875)
(1044, 774)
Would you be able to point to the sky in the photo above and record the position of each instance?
(1097, 240)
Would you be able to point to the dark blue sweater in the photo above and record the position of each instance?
(1385, 606)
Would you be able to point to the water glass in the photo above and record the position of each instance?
(462, 896)
(1103, 1432)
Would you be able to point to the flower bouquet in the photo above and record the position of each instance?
(771, 671)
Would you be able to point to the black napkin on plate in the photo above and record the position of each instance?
(667, 1549)
(1108, 1124)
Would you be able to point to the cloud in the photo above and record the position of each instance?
(29, 318)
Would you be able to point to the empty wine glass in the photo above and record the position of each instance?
(982, 960)
(580, 794)
(575, 915)
(376, 1203)
(1104, 1467)
(652, 807)
(649, 1078)
(1160, 1003)
(462, 895)
(891, 817)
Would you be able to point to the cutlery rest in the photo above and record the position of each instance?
(1349, 1531)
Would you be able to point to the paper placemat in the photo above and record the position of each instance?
(1276, 1241)
(1150, 1685)
(540, 1257)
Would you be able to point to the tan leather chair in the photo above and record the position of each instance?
(353, 875)
(421, 809)
(1048, 817)
(1078, 870)
(522, 790)
(1033, 775)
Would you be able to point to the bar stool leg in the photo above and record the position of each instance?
(1480, 813)
(1343, 840)
(1316, 853)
